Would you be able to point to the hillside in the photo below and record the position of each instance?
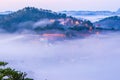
(34, 19)
(27, 15)
(109, 23)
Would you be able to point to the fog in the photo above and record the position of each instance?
(42, 23)
(92, 58)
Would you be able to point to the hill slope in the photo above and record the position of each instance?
(31, 18)
(109, 23)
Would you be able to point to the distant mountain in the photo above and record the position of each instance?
(38, 20)
(109, 23)
(91, 13)
(6, 12)
(87, 13)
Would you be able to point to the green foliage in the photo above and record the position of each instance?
(11, 74)
(3, 63)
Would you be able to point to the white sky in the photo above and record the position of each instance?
(59, 5)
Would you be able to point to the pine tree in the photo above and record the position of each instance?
(11, 74)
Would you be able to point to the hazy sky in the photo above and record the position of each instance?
(58, 5)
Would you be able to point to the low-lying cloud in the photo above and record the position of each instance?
(92, 58)
(42, 23)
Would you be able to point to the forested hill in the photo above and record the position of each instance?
(109, 23)
(31, 18)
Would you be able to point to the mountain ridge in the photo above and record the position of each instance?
(28, 17)
(86, 12)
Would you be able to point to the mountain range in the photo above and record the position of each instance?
(91, 12)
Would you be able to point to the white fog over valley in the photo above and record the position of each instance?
(92, 58)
